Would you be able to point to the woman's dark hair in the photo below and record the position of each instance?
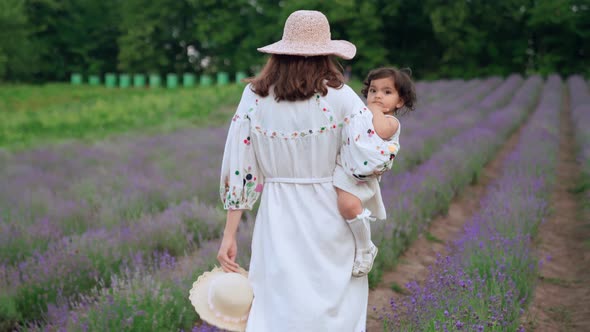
(297, 77)
(402, 79)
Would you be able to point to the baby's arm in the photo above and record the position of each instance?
(385, 126)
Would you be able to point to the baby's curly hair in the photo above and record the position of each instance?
(402, 79)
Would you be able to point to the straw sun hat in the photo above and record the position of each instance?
(223, 299)
(307, 33)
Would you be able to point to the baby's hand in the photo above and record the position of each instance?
(379, 172)
(376, 108)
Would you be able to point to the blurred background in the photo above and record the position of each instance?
(48, 40)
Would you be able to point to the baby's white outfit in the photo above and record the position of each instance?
(358, 170)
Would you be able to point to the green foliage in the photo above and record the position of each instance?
(499, 37)
(16, 51)
(73, 36)
(560, 36)
(227, 33)
(45, 40)
(409, 38)
(9, 314)
(154, 36)
(478, 37)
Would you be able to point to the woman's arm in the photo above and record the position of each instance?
(229, 246)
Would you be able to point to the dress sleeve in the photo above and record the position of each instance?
(364, 154)
(241, 180)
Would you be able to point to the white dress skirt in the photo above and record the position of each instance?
(302, 248)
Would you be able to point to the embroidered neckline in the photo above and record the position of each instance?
(296, 134)
(271, 133)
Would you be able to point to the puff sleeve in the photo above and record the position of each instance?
(241, 180)
(364, 153)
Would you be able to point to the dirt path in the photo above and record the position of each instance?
(422, 253)
(561, 301)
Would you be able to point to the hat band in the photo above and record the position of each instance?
(220, 315)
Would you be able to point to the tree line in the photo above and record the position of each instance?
(47, 40)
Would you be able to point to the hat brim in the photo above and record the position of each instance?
(198, 296)
(341, 48)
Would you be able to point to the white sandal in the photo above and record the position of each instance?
(363, 261)
(365, 256)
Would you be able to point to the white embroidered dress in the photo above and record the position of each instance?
(302, 248)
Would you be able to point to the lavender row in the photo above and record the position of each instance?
(59, 260)
(421, 141)
(75, 265)
(456, 93)
(145, 296)
(580, 108)
(412, 198)
(80, 261)
(472, 93)
(463, 96)
(430, 91)
(93, 312)
(484, 282)
(58, 251)
(51, 194)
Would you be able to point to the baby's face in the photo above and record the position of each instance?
(383, 95)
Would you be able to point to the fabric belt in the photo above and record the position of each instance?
(298, 180)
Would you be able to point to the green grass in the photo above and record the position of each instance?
(45, 114)
(562, 315)
(556, 281)
(580, 187)
(397, 288)
(33, 115)
(432, 238)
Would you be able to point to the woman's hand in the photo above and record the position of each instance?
(227, 254)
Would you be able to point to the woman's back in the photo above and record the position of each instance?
(299, 139)
(302, 249)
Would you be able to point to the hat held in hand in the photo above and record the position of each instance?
(307, 33)
(223, 299)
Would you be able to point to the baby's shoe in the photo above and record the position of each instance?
(363, 260)
(365, 251)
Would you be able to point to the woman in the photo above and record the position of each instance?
(286, 136)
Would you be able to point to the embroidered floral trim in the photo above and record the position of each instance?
(295, 134)
(302, 133)
(244, 196)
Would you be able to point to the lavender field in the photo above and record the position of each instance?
(106, 231)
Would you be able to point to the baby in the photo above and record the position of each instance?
(370, 143)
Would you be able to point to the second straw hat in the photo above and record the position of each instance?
(307, 33)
